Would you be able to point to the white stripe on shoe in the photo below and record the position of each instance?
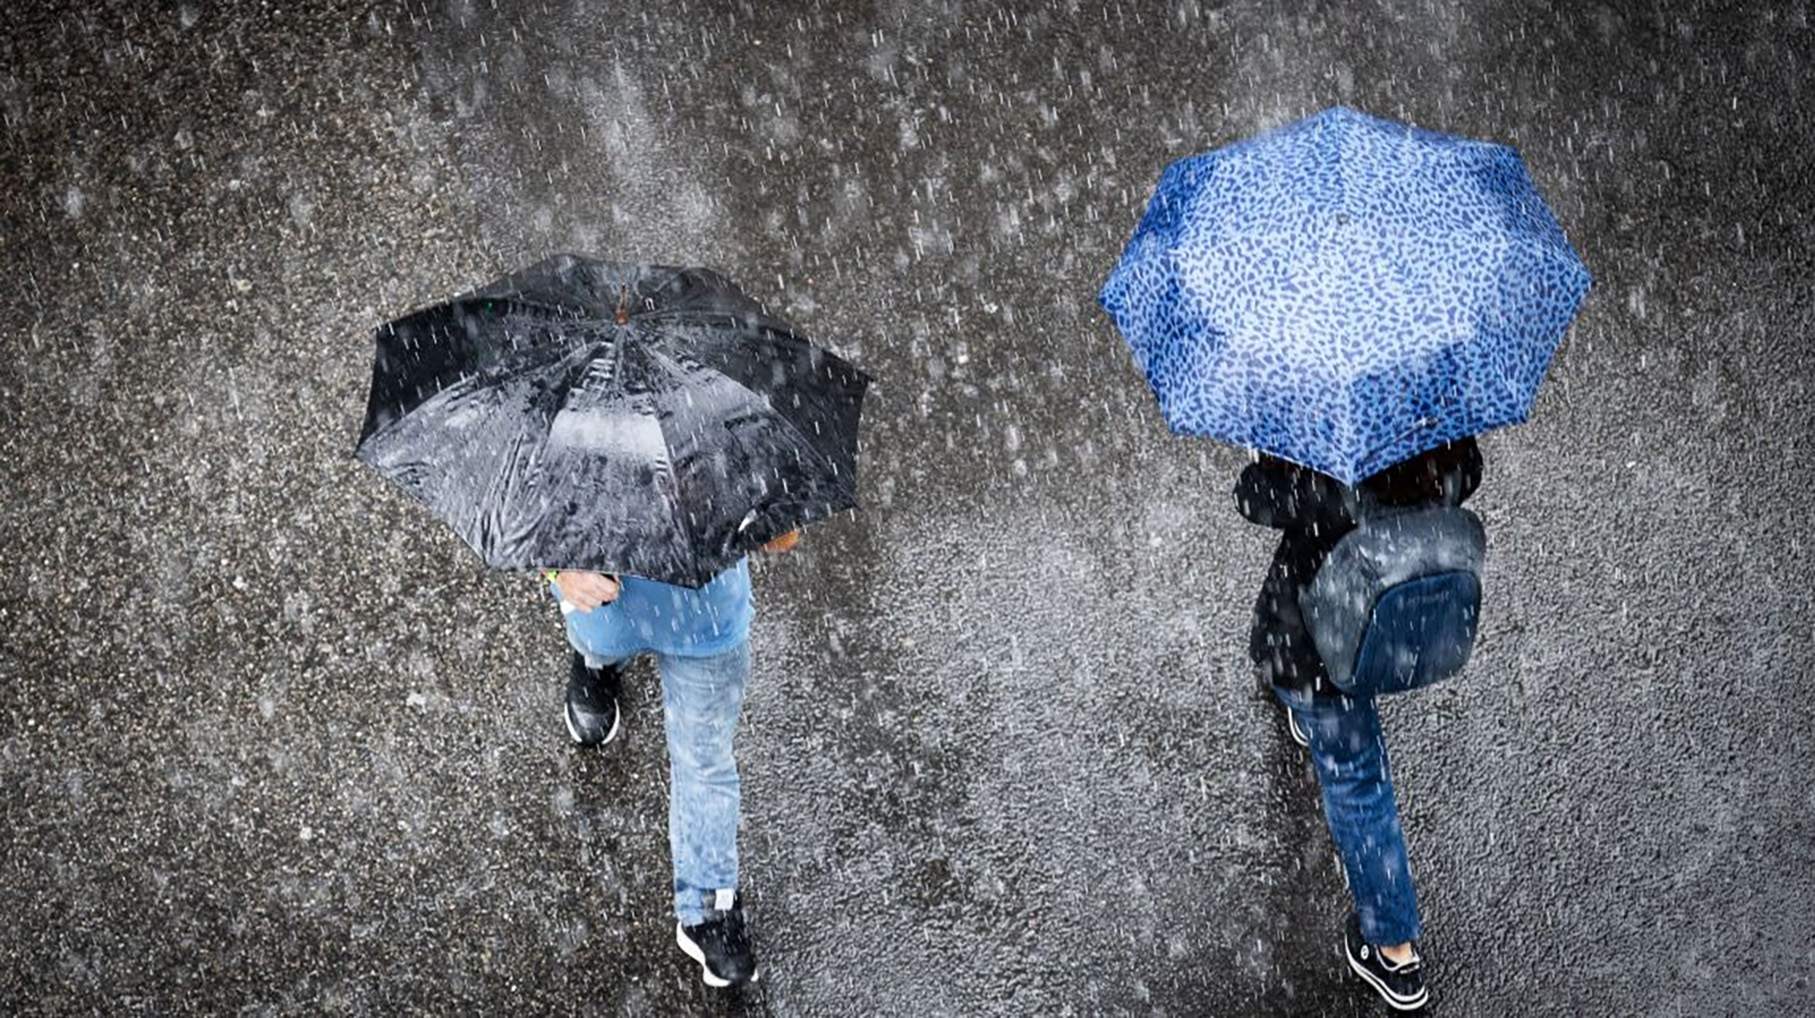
(692, 950)
(616, 717)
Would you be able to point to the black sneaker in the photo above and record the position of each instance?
(721, 945)
(592, 702)
(1401, 986)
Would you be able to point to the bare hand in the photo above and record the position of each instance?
(785, 542)
(586, 591)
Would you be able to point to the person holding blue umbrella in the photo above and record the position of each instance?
(1353, 299)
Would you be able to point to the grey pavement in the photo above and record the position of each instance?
(273, 743)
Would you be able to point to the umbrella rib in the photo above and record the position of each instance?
(550, 364)
(518, 301)
(799, 435)
(801, 439)
(678, 513)
(778, 337)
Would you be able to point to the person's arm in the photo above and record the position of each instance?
(785, 542)
(1285, 496)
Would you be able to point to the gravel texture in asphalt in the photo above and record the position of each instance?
(273, 742)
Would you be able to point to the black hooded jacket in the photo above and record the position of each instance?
(1310, 510)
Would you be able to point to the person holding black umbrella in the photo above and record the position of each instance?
(631, 432)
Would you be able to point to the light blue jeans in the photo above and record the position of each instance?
(701, 700)
(1350, 756)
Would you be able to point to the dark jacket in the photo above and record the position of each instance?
(1309, 508)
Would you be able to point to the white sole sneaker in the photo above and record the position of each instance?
(692, 950)
(616, 717)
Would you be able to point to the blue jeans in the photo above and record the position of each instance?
(1350, 756)
(701, 699)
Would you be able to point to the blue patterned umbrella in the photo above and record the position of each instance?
(1346, 292)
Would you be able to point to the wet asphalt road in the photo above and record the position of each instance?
(272, 743)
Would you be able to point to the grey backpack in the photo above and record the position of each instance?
(1397, 603)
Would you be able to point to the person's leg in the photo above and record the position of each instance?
(1351, 761)
(701, 701)
(594, 677)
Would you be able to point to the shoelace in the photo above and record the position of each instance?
(1411, 965)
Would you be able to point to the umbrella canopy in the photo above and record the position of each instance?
(617, 418)
(1346, 292)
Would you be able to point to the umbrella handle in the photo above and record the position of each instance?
(1418, 425)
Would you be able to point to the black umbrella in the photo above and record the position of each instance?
(619, 418)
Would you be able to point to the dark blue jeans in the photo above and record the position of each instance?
(1350, 757)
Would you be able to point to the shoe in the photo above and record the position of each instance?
(722, 947)
(1296, 729)
(592, 702)
(1401, 986)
